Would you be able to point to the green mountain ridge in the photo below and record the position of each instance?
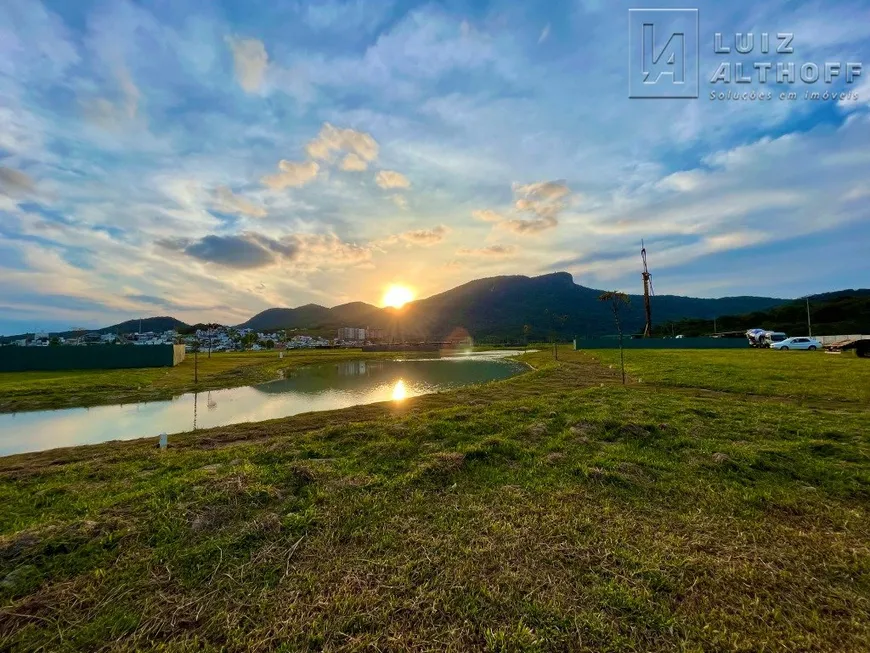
(497, 309)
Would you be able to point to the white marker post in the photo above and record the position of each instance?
(163, 441)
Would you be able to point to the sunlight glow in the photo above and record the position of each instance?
(399, 391)
(397, 296)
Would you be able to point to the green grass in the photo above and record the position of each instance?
(21, 391)
(554, 511)
(803, 375)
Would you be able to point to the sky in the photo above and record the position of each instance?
(208, 159)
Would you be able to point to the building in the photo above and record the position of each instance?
(351, 334)
(375, 335)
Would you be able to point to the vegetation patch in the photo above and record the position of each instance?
(562, 511)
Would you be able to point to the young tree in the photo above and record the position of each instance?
(556, 322)
(618, 301)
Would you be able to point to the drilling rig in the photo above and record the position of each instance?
(647, 291)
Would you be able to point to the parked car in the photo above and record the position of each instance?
(797, 343)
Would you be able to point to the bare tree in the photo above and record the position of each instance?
(618, 301)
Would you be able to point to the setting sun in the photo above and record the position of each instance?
(397, 296)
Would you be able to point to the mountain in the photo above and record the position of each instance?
(155, 324)
(842, 312)
(313, 316)
(498, 308)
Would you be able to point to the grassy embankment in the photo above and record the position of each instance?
(554, 511)
(69, 388)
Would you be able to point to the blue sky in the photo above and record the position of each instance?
(212, 159)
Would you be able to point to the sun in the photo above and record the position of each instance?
(397, 296)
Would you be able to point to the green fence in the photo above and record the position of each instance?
(662, 343)
(92, 357)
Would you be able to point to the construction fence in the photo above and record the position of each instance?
(92, 357)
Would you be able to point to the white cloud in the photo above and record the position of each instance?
(292, 174)
(361, 147)
(353, 162)
(423, 237)
(488, 215)
(534, 226)
(544, 199)
(545, 34)
(251, 61)
(227, 201)
(774, 189)
(392, 179)
(400, 201)
(862, 91)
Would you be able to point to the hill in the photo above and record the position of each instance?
(836, 313)
(155, 324)
(314, 316)
(497, 308)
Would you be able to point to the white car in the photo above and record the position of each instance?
(797, 343)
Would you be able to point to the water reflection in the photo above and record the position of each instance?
(314, 388)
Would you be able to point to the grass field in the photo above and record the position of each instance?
(65, 389)
(798, 375)
(554, 511)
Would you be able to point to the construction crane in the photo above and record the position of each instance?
(647, 291)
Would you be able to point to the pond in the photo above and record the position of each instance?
(313, 388)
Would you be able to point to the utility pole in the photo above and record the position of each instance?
(196, 362)
(647, 290)
(809, 324)
(715, 331)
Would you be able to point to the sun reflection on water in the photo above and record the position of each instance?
(399, 391)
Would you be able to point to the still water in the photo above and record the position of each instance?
(313, 388)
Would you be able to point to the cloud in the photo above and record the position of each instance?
(243, 251)
(292, 174)
(543, 191)
(361, 147)
(391, 179)
(400, 201)
(251, 250)
(15, 182)
(328, 249)
(537, 225)
(545, 34)
(118, 112)
(353, 162)
(544, 199)
(251, 61)
(488, 215)
(228, 202)
(424, 237)
(493, 251)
